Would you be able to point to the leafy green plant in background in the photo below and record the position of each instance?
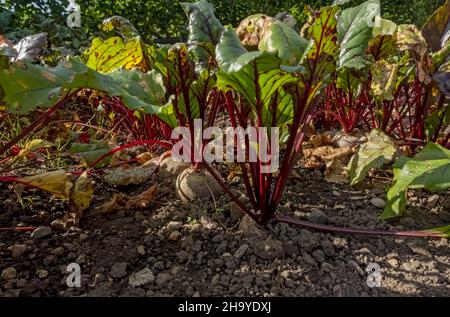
(21, 18)
(165, 20)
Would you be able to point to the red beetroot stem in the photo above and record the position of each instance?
(293, 221)
(25, 229)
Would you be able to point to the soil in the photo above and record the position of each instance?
(175, 248)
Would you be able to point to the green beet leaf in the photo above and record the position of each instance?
(377, 151)
(282, 40)
(429, 169)
(355, 31)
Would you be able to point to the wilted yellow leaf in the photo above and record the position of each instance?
(54, 182)
(81, 193)
(143, 199)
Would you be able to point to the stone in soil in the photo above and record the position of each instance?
(170, 167)
(42, 274)
(327, 248)
(418, 249)
(119, 270)
(357, 267)
(141, 250)
(236, 212)
(318, 216)
(249, 227)
(240, 252)
(378, 202)
(407, 222)
(8, 274)
(18, 250)
(271, 249)
(58, 251)
(162, 279)
(208, 223)
(432, 200)
(174, 225)
(143, 277)
(175, 235)
(192, 185)
(308, 259)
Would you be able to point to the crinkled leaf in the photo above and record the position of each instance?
(91, 152)
(283, 41)
(355, 31)
(384, 79)
(384, 27)
(436, 30)
(409, 38)
(55, 182)
(252, 29)
(123, 26)
(167, 114)
(107, 55)
(441, 56)
(379, 149)
(32, 146)
(429, 169)
(382, 46)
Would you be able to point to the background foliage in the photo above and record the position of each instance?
(164, 20)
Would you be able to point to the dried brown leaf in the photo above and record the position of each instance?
(143, 199)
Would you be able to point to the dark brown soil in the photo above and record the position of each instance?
(197, 249)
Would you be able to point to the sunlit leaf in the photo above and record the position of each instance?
(107, 55)
(378, 150)
(384, 79)
(429, 169)
(355, 31)
(283, 41)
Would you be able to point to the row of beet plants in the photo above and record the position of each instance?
(347, 68)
